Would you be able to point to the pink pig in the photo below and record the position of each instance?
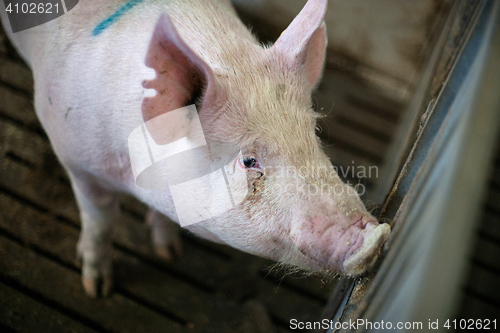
(100, 75)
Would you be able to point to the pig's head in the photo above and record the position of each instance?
(297, 211)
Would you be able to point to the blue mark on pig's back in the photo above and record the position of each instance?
(114, 17)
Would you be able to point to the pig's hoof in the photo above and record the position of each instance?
(368, 253)
(98, 287)
(165, 235)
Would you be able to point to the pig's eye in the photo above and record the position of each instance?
(250, 162)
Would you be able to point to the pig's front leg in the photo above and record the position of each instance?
(99, 209)
(165, 235)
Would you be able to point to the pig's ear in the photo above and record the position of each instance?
(303, 43)
(181, 75)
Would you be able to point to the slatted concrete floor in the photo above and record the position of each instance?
(211, 289)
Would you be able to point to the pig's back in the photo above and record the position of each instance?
(112, 16)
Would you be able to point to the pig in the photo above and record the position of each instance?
(106, 67)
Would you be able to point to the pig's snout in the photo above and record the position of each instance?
(346, 249)
(368, 236)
